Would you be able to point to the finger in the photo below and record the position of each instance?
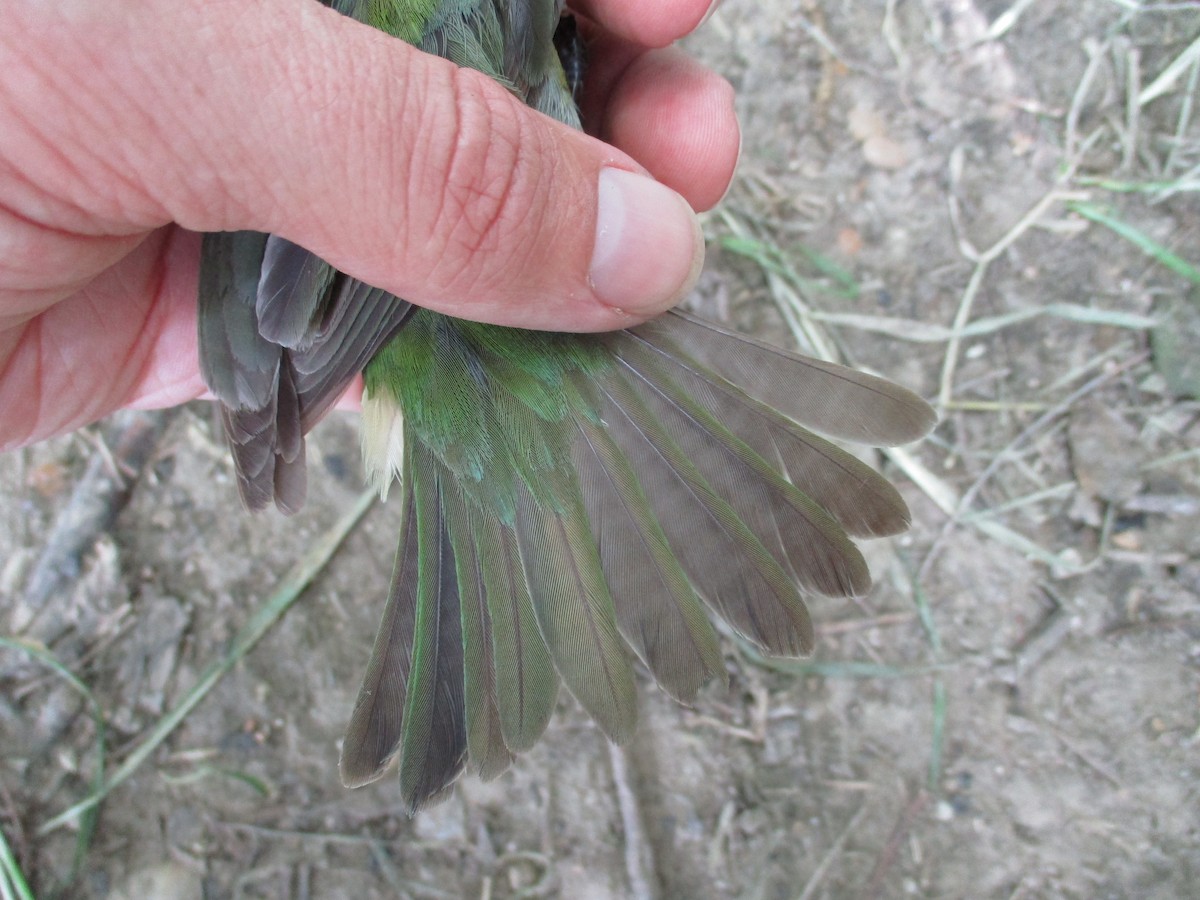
(668, 112)
(129, 338)
(654, 24)
(414, 175)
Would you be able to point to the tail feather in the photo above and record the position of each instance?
(836, 401)
(726, 563)
(433, 745)
(658, 611)
(526, 680)
(678, 491)
(376, 725)
(486, 748)
(575, 610)
(864, 503)
(799, 533)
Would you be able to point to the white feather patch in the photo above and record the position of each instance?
(382, 441)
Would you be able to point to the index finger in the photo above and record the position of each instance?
(656, 23)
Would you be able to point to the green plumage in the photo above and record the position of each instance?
(489, 402)
(565, 498)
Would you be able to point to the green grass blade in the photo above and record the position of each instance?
(1139, 239)
(13, 885)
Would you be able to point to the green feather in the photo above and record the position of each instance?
(433, 746)
(526, 682)
(574, 608)
(405, 19)
(486, 745)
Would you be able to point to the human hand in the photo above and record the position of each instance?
(128, 127)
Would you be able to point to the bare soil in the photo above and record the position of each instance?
(1013, 711)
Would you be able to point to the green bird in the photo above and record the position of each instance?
(566, 499)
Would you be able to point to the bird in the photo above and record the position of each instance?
(571, 504)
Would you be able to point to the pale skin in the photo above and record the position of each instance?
(127, 128)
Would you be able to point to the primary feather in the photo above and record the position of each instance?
(566, 498)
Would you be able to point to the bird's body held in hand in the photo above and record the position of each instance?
(565, 498)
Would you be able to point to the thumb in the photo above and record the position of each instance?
(436, 183)
(412, 174)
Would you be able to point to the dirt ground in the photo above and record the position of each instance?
(1013, 711)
